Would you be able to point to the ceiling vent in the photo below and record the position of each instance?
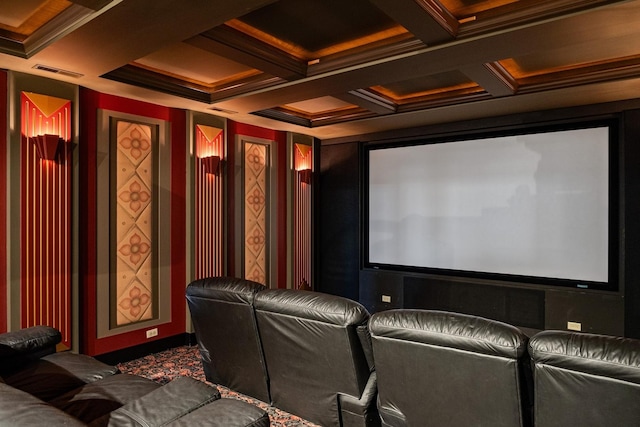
(58, 71)
(222, 110)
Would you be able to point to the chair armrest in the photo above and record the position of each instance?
(18, 347)
(361, 411)
(163, 405)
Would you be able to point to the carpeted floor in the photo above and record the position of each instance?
(185, 361)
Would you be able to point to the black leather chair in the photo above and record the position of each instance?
(447, 369)
(39, 387)
(225, 326)
(585, 380)
(318, 353)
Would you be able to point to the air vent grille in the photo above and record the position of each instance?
(221, 110)
(55, 70)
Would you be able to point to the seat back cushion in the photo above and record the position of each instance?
(436, 368)
(585, 379)
(313, 351)
(93, 400)
(58, 373)
(224, 321)
(18, 408)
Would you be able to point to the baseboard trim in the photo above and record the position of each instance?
(141, 350)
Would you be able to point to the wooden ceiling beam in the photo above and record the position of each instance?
(239, 47)
(492, 77)
(367, 99)
(133, 29)
(92, 4)
(456, 55)
(426, 19)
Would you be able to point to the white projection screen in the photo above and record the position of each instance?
(532, 205)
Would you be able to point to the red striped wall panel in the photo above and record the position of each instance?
(46, 216)
(3, 202)
(302, 256)
(209, 202)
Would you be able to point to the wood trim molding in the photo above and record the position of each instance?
(239, 47)
(524, 12)
(369, 100)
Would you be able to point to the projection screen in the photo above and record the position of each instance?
(529, 205)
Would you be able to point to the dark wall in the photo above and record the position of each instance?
(630, 220)
(337, 224)
(535, 307)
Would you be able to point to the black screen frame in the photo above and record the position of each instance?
(614, 232)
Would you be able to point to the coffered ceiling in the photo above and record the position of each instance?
(332, 68)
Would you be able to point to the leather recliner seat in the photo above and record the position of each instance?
(225, 326)
(304, 352)
(39, 387)
(318, 355)
(585, 380)
(448, 369)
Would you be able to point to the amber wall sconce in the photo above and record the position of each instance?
(211, 165)
(305, 175)
(49, 147)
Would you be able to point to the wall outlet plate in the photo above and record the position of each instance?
(152, 333)
(574, 326)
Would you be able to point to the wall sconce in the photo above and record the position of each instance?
(48, 147)
(211, 164)
(305, 175)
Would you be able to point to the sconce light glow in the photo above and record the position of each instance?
(305, 175)
(48, 147)
(211, 164)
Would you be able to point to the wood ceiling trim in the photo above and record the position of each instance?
(526, 11)
(12, 47)
(604, 71)
(141, 77)
(398, 45)
(315, 120)
(238, 88)
(237, 46)
(92, 4)
(105, 43)
(463, 95)
(67, 20)
(493, 78)
(426, 19)
(455, 55)
(349, 45)
(38, 17)
(144, 77)
(595, 73)
(369, 100)
(348, 114)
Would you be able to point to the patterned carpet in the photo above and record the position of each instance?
(185, 361)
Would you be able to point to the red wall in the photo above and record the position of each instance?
(3, 200)
(233, 129)
(90, 102)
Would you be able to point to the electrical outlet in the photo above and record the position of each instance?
(386, 298)
(152, 333)
(574, 326)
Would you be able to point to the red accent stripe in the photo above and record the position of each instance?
(3, 205)
(45, 223)
(209, 232)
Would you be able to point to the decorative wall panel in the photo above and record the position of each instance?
(255, 213)
(302, 256)
(45, 250)
(209, 202)
(133, 223)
